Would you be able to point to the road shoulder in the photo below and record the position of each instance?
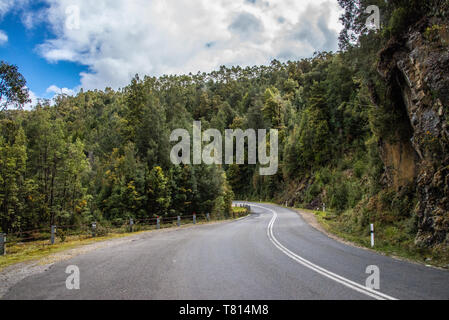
(311, 219)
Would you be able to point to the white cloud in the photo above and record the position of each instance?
(11, 5)
(5, 6)
(117, 39)
(34, 100)
(29, 17)
(56, 90)
(3, 37)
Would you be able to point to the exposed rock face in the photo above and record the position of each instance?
(400, 161)
(418, 66)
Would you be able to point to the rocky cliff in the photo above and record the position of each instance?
(416, 70)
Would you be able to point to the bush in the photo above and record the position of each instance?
(101, 231)
(312, 192)
(338, 195)
(359, 168)
(61, 234)
(355, 193)
(399, 21)
(323, 176)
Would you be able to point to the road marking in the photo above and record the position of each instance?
(346, 282)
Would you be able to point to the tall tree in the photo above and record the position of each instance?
(13, 91)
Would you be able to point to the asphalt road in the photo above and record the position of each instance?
(273, 254)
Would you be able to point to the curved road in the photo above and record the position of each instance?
(272, 254)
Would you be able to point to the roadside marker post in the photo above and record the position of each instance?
(179, 221)
(372, 235)
(131, 225)
(194, 218)
(94, 229)
(2, 244)
(158, 223)
(208, 216)
(53, 233)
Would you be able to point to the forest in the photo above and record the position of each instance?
(104, 155)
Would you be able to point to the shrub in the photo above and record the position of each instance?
(61, 234)
(312, 192)
(359, 168)
(338, 194)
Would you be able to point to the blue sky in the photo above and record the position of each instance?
(73, 44)
(20, 49)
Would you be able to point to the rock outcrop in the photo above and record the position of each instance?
(418, 66)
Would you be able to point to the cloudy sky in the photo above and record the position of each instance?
(63, 45)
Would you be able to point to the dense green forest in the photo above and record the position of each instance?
(105, 155)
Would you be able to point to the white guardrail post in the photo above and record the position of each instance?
(372, 235)
(53, 234)
(2, 244)
(94, 229)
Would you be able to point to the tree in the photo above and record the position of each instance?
(396, 17)
(158, 192)
(13, 89)
(13, 157)
(274, 108)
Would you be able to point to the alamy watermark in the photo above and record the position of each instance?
(73, 280)
(72, 21)
(373, 21)
(373, 281)
(213, 153)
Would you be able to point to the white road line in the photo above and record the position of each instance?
(346, 282)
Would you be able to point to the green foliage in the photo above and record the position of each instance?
(13, 158)
(158, 191)
(13, 91)
(399, 20)
(104, 156)
(61, 235)
(396, 17)
(274, 108)
(338, 194)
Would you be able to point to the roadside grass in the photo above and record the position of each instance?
(390, 240)
(238, 210)
(36, 250)
(29, 251)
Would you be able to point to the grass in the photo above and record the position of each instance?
(238, 210)
(36, 250)
(389, 240)
(24, 252)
